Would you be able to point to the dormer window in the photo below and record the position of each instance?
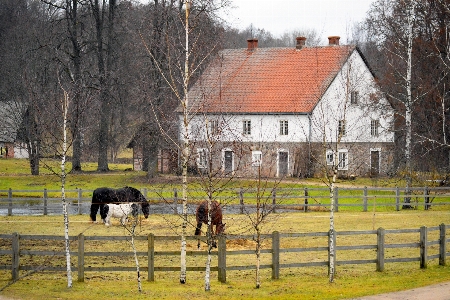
(341, 128)
(374, 124)
(354, 97)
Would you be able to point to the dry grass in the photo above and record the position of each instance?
(305, 283)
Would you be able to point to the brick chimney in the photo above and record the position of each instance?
(301, 42)
(333, 40)
(252, 44)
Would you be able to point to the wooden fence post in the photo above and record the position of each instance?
(380, 249)
(222, 259)
(241, 200)
(397, 199)
(175, 201)
(80, 257)
(423, 247)
(15, 256)
(80, 201)
(426, 198)
(274, 199)
(275, 255)
(365, 199)
(305, 208)
(151, 257)
(336, 199)
(10, 200)
(442, 245)
(45, 202)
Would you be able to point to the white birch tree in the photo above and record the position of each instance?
(64, 109)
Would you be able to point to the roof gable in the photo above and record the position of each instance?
(267, 80)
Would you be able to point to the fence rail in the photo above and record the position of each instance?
(46, 202)
(431, 242)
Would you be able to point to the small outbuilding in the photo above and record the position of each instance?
(11, 123)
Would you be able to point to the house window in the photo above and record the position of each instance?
(343, 159)
(202, 160)
(247, 127)
(354, 97)
(256, 158)
(284, 127)
(374, 124)
(330, 157)
(214, 127)
(341, 128)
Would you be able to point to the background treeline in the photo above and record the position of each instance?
(109, 56)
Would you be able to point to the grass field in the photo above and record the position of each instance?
(306, 283)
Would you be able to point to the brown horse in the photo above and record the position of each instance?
(201, 216)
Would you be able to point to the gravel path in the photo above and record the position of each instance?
(440, 291)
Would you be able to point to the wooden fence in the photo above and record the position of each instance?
(237, 200)
(431, 243)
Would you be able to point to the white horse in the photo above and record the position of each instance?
(120, 211)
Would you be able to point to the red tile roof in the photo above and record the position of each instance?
(267, 80)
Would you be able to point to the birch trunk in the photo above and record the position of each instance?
(408, 102)
(331, 269)
(135, 256)
(64, 105)
(185, 150)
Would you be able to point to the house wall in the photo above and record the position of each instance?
(20, 151)
(264, 128)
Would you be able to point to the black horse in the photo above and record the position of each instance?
(104, 195)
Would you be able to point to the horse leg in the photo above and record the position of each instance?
(213, 235)
(107, 221)
(94, 209)
(198, 231)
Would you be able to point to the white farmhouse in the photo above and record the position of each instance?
(290, 112)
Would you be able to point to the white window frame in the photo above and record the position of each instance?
(329, 157)
(374, 125)
(256, 158)
(379, 157)
(278, 160)
(202, 158)
(232, 159)
(341, 127)
(343, 159)
(214, 127)
(284, 127)
(246, 127)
